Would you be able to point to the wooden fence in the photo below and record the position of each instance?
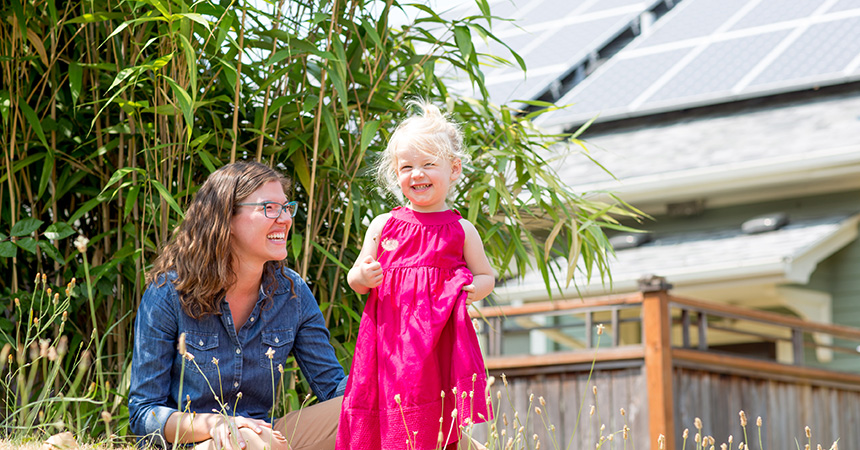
(658, 357)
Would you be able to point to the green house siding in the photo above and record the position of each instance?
(840, 276)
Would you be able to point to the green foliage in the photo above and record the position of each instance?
(113, 113)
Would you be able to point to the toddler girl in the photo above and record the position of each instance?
(417, 358)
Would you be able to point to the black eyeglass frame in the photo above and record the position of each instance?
(292, 207)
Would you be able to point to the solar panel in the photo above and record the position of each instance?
(710, 51)
(618, 87)
(845, 5)
(774, 11)
(692, 19)
(718, 67)
(825, 48)
(552, 36)
(603, 5)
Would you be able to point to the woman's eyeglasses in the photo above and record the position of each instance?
(273, 210)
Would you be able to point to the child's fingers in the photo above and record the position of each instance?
(469, 288)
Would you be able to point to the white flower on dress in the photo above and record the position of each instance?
(389, 244)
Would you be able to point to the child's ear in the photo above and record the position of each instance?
(456, 169)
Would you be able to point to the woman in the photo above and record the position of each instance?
(221, 284)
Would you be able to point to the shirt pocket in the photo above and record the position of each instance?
(280, 342)
(204, 347)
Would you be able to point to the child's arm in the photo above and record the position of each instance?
(366, 273)
(483, 280)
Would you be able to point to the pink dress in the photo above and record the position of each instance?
(415, 341)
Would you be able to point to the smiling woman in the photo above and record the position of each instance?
(221, 293)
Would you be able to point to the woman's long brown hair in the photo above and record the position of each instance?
(200, 251)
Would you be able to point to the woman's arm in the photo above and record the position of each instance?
(476, 261)
(366, 273)
(155, 338)
(312, 346)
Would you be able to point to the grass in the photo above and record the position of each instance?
(48, 390)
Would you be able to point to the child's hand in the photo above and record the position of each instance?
(370, 272)
(470, 288)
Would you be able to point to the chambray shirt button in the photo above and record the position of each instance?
(252, 319)
(238, 351)
(236, 384)
(200, 343)
(277, 340)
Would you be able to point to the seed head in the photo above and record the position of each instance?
(281, 369)
(758, 421)
(741, 446)
(181, 345)
(189, 356)
(270, 353)
(106, 416)
(81, 244)
(397, 398)
(686, 433)
(723, 446)
(623, 412)
(594, 389)
(698, 423)
(239, 396)
(599, 329)
(504, 378)
(454, 413)
(215, 360)
(743, 416)
(531, 398)
(542, 401)
(591, 411)
(661, 442)
(537, 410)
(808, 432)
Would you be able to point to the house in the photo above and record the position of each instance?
(735, 124)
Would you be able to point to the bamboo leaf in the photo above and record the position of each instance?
(191, 62)
(47, 171)
(33, 121)
(131, 200)
(550, 240)
(26, 227)
(367, 135)
(38, 45)
(463, 38)
(330, 257)
(186, 105)
(165, 194)
(76, 77)
(91, 17)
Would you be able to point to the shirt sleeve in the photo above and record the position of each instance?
(155, 338)
(312, 348)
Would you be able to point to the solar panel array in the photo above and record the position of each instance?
(710, 51)
(552, 36)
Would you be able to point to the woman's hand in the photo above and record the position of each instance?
(225, 432)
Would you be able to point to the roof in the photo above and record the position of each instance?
(807, 144)
(786, 255)
(713, 51)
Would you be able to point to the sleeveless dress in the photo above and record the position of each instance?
(415, 341)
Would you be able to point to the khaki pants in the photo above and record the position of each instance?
(310, 428)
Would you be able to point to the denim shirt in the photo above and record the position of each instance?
(287, 324)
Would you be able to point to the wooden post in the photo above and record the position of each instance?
(658, 360)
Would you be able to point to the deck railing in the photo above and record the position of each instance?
(673, 340)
